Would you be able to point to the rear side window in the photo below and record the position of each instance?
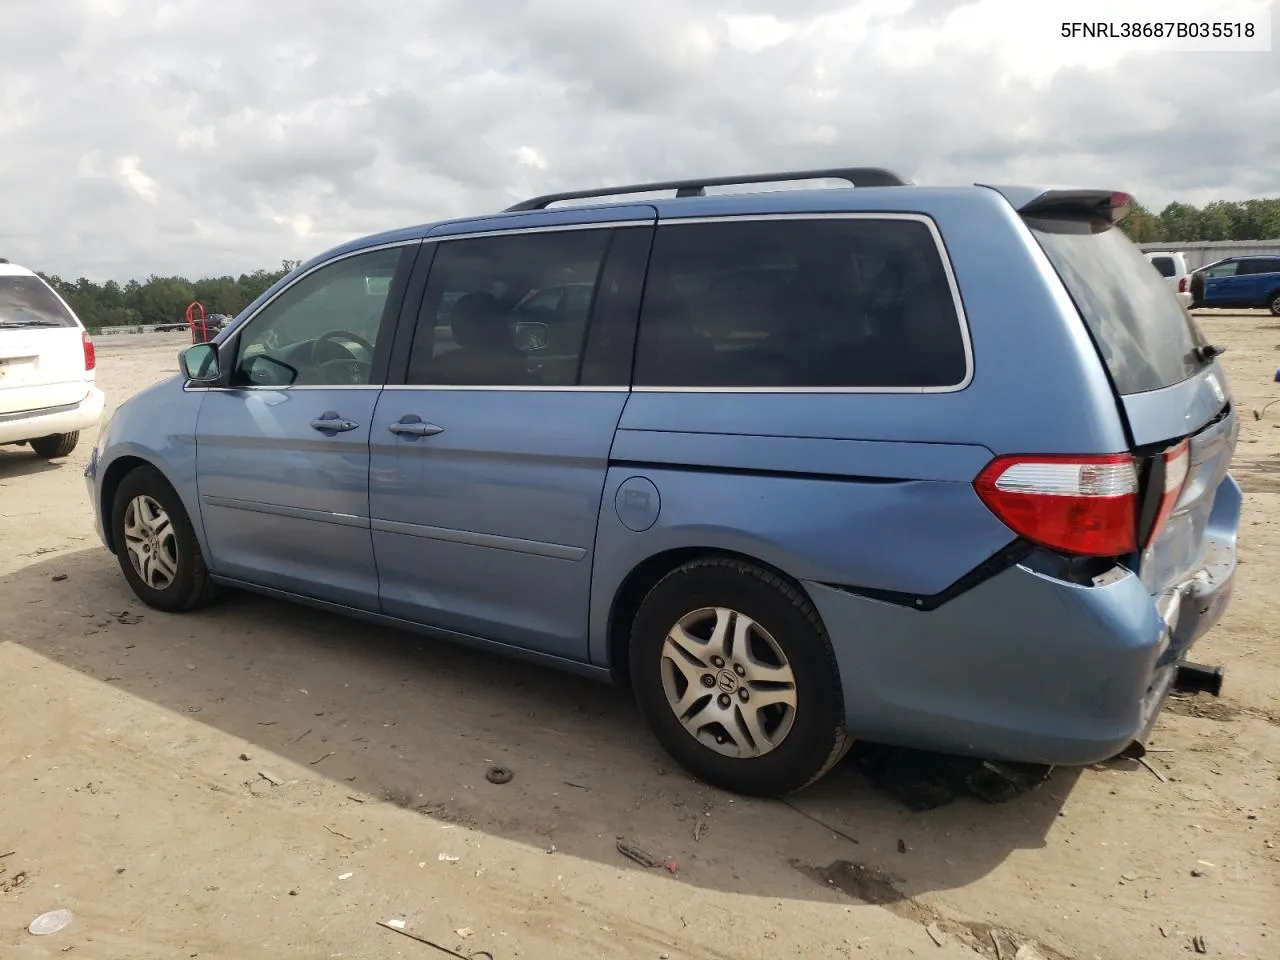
(1261, 265)
(1147, 340)
(1164, 266)
(803, 303)
(28, 302)
(509, 310)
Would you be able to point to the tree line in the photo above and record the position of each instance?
(161, 299)
(1220, 220)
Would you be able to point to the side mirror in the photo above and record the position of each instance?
(531, 335)
(199, 363)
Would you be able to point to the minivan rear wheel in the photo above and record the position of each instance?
(55, 445)
(734, 671)
(156, 544)
(1274, 305)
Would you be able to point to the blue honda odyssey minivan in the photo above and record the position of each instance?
(936, 467)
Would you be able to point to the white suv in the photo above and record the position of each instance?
(47, 390)
(1173, 267)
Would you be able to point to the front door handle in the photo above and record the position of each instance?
(330, 422)
(412, 425)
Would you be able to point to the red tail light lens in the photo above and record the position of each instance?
(1177, 464)
(90, 356)
(1183, 284)
(1080, 505)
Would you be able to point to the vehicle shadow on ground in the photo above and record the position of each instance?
(417, 723)
(18, 462)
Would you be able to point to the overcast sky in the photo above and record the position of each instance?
(194, 137)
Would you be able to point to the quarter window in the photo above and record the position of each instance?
(839, 302)
(508, 310)
(322, 330)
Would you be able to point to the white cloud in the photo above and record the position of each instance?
(530, 157)
(197, 138)
(131, 174)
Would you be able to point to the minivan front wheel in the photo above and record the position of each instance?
(735, 673)
(156, 544)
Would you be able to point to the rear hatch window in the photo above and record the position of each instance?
(27, 302)
(1145, 336)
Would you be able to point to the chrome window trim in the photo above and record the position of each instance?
(947, 268)
(523, 388)
(192, 388)
(546, 228)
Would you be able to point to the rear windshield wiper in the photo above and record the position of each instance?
(30, 323)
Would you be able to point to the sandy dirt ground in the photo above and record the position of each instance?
(263, 781)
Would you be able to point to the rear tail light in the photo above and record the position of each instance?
(1183, 284)
(1177, 464)
(90, 356)
(1084, 505)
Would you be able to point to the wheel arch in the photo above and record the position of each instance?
(644, 576)
(113, 475)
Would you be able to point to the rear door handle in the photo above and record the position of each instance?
(412, 425)
(330, 422)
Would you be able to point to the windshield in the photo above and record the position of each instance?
(27, 302)
(1145, 336)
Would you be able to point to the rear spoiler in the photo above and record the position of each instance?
(1109, 205)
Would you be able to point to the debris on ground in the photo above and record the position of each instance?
(127, 618)
(1028, 951)
(638, 855)
(17, 880)
(271, 778)
(244, 756)
(699, 829)
(48, 923)
(902, 846)
(464, 932)
(447, 858)
(921, 780)
(1198, 944)
(345, 876)
(498, 774)
(59, 577)
(398, 926)
(936, 934)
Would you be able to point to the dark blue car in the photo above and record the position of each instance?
(1240, 282)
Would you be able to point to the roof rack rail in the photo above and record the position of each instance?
(854, 176)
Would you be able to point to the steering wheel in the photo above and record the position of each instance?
(335, 337)
(347, 368)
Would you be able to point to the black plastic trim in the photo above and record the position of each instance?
(750, 472)
(1002, 560)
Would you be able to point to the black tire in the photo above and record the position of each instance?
(191, 586)
(1197, 291)
(1273, 303)
(55, 445)
(817, 739)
